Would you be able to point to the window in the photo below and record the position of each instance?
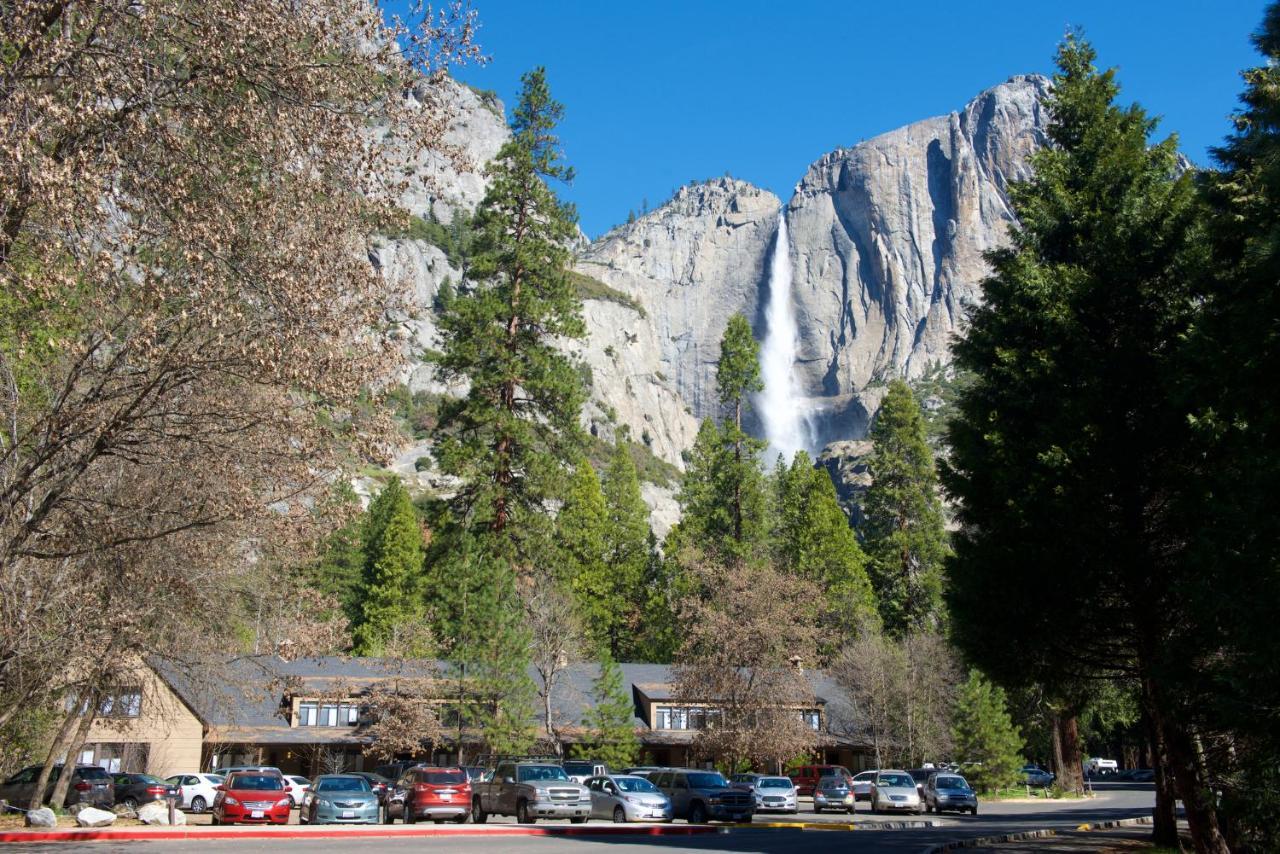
(328, 714)
(812, 718)
(307, 714)
(121, 703)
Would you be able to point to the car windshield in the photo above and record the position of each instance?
(832, 783)
(343, 784)
(774, 783)
(951, 783)
(903, 780)
(256, 782)
(577, 767)
(216, 779)
(540, 772)
(444, 778)
(634, 784)
(146, 778)
(94, 774)
(300, 781)
(708, 780)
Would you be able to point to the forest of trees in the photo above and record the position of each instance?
(192, 372)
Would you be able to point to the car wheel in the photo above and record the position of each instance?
(131, 803)
(816, 809)
(522, 813)
(619, 815)
(198, 804)
(697, 814)
(478, 815)
(461, 819)
(974, 811)
(293, 805)
(407, 815)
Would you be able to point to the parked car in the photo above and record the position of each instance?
(946, 791)
(772, 794)
(196, 791)
(895, 790)
(256, 769)
(579, 770)
(296, 786)
(921, 776)
(807, 776)
(475, 773)
(428, 792)
(133, 790)
(381, 785)
(700, 796)
(1034, 775)
(646, 771)
(833, 793)
(252, 797)
(530, 791)
(1143, 775)
(340, 799)
(627, 797)
(91, 784)
(395, 770)
(1097, 766)
(861, 785)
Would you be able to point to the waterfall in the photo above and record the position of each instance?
(781, 407)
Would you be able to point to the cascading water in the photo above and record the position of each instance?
(781, 407)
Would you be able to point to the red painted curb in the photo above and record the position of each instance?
(339, 832)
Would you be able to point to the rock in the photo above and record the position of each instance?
(94, 817)
(124, 811)
(157, 812)
(43, 817)
(847, 464)
(888, 238)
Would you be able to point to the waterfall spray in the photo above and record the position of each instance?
(780, 405)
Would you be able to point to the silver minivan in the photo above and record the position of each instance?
(625, 797)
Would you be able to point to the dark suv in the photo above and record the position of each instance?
(700, 796)
(90, 785)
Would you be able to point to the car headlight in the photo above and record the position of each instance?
(716, 801)
(283, 802)
(230, 801)
(324, 803)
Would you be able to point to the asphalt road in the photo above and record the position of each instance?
(1114, 801)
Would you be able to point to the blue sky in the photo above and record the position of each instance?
(660, 93)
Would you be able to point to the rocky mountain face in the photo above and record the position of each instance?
(886, 247)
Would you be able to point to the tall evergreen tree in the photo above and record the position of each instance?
(985, 734)
(611, 721)
(737, 377)
(512, 437)
(338, 569)
(581, 531)
(626, 550)
(389, 597)
(904, 531)
(1070, 454)
(812, 539)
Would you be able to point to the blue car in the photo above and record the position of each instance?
(340, 799)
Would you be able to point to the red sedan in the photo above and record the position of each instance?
(252, 798)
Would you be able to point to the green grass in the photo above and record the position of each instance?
(592, 288)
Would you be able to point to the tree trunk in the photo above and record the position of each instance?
(56, 750)
(59, 796)
(1197, 796)
(1164, 830)
(1071, 774)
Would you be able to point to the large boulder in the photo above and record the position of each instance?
(94, 817)
(157, 812)
(43, 817)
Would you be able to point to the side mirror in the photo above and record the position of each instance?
(219, 788)
(508, 780)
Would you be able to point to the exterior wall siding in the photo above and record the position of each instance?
(172, 734)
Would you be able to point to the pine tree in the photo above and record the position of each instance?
(626, 549)
(737, 376)
(581, 531)
(512, 437)
(611, 721)
(338, 570)
(985, 734)
(665, 586)
(1071, 458)
(812, 539)
(394, 556)
(904, 532)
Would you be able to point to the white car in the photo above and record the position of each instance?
(862, 785)
(296, 787)
(896, 791)
(1097, 765)
(195, 791)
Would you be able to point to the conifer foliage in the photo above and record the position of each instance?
(390, 608)
(985, 734)
(611, 721)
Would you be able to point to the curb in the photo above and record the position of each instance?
(958, 844)
(852, 825)
(339, 832)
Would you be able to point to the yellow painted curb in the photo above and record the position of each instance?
(798, 825)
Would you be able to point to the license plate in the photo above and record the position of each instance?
(348, 813)
(256, 814)
(446, 797)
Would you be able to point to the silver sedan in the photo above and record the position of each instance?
(626, 797)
